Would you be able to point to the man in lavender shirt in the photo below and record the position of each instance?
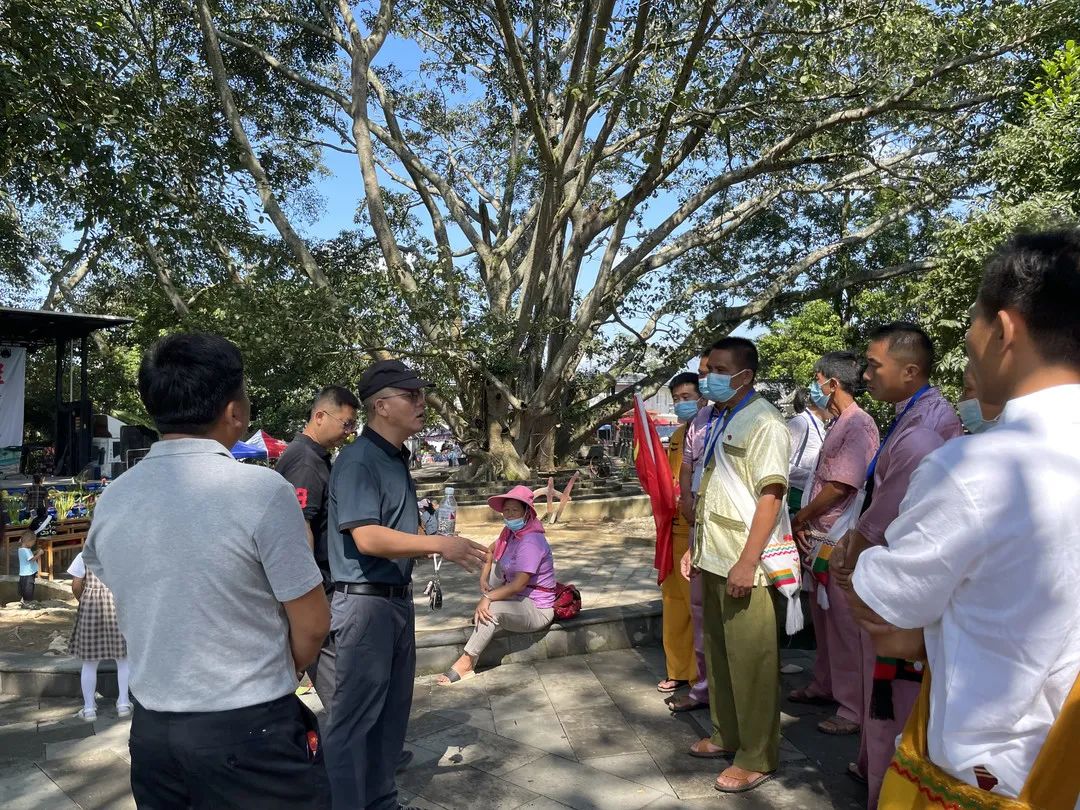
(689, 479)
(900, 360)
(849, 447)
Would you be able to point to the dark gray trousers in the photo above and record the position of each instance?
(373, 659)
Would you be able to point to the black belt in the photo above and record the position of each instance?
(374, 589)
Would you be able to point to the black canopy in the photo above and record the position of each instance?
(34, 328)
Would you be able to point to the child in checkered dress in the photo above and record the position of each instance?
(96, 635)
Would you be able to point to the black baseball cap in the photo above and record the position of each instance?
(388, 374)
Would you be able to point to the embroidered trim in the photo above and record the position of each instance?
(930, 782)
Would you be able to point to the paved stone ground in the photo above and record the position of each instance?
(587, 732)
(609, 561)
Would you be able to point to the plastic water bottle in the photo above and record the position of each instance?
(448, 512)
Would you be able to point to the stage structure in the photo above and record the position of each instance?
(24, 331)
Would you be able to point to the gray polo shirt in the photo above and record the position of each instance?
(200, 551)
(370, 485)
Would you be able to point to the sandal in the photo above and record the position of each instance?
(684, 704)
(453, 676)
(747, 786)
(809, 698)
(854, 772)
(719, 753)
(669, 685)
(837, 726)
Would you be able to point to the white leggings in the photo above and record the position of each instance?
(89, 683)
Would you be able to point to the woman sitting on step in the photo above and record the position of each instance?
(517, 582)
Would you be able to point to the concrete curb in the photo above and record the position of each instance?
(595, 630)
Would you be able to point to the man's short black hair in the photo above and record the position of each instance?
(844, 367)
(186, 380)
(744, 350)
(908, 340)
(1038, 275)
(334, 396)
(684, 378)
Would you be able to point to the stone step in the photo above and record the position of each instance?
(109, 733)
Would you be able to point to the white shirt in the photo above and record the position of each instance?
(985, 556)
(77, 567)
(804, 427)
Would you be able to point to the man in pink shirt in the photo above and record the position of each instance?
(689, 480)
(849, 447)
(900, 360)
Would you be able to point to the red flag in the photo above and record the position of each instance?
(654, 473)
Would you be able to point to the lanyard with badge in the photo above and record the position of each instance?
(713, 435)
(868, 489)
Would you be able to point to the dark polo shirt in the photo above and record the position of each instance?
(306, 465)
(370, 485)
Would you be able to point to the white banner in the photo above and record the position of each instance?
(12, 394)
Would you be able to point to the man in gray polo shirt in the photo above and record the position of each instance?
(372, 540)
(217, 594)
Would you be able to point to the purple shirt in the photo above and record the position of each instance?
(694, 449)
(929, 424)
(530, 554)
(848, 449)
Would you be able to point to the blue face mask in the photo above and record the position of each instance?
(720, 388)
(686, 410)
(703, 386)
(971, 415)
(514, 524)
(820, 398)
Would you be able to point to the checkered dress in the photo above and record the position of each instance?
(96, 634)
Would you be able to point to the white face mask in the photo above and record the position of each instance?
(971, 416)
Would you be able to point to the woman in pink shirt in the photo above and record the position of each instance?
(519, 594)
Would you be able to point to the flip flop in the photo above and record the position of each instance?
(718, 754)
(837, 726)
(455, 677)
(675, 708)
(805, 697)
(765, 777)
(667, 690)
(853, 772)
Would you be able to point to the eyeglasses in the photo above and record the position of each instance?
(350, 426)
(416, 396)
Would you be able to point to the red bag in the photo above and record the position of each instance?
(567, 601)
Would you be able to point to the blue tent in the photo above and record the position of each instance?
(243, 450)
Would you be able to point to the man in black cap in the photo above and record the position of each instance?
(372, 540)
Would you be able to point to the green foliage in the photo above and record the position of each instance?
(1032, 181)
(792, 346)
(542, 208)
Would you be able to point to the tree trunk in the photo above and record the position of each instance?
(537, 442)
(503, 460)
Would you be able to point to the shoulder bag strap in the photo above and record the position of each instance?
(805, 439)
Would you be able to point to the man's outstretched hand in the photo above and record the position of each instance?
(464, 552)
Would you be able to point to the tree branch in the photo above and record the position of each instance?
(247, 154)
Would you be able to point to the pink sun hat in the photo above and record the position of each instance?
(519, 493)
